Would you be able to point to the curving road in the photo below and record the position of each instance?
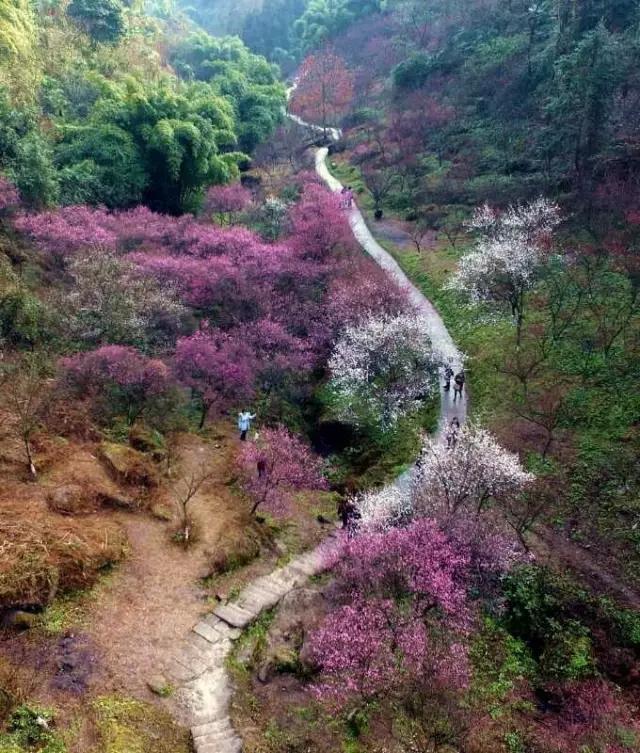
(438, 332)
(198, 669)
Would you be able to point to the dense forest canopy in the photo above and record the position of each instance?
(105, 105)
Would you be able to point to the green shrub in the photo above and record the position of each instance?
(541, 610)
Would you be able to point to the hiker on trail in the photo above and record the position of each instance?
(349, 515)
(448, 373)
(349, 197)
(452, 433)
(458, 385)
(244, 423)
(343, 197)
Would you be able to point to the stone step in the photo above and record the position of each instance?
(217, 738)
(209, 633)
(235, 615)
(221, 725)
(225, 630)
(230, 746)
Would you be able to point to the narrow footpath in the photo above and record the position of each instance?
(198, 670)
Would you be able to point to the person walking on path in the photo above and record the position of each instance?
(349, 197)
(452, 433)
(448, 373)
(244, 424)
(458, 385)
(343, 197)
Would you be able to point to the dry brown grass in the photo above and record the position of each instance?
(42, 553)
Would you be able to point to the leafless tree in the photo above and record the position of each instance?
(184, 491)
(26, 391)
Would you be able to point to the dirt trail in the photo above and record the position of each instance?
(154, 599)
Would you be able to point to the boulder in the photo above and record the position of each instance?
(128, 466)
(299, 612)
(17, 619)
(159, 685)
(143, 439)
(71, 499)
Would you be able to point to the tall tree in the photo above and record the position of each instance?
(325, 88)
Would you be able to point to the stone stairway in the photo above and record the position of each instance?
(198, 669)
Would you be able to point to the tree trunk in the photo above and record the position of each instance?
(31, 465)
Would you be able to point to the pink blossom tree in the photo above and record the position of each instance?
(319, 228)
(64, 231)
(218, 367)
(119, 375)
(401, 606)
(9, 196)
(275, 466)
(225, 202)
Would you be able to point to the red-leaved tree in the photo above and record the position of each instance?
(325, 88)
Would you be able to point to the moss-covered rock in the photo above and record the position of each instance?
(128, 466)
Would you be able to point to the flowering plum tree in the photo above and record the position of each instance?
(318, 226)
(112, 301)
(382, 369)
(9, 196)
(275, 466)
(382, 509)
(218, 367)
(120, 375)
(466, 478)
(277, 352)
(225, 202)
(324, 90)
(402, 600)
(509, 253)
(66, 230)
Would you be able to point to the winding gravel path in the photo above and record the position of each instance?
(198, 670)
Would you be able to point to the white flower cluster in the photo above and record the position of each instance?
(466, 477)
(447, 482)
(509, 251)
(383, 509)
(383, 367)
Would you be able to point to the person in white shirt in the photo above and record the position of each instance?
(244, 423)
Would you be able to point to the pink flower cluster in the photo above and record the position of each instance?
(275, 466)
(9, 196)
(402, 610)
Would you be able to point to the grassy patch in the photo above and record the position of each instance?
(126, 725)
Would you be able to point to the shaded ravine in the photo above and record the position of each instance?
(199, 669)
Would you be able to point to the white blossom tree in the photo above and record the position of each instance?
(382, 368)
(382, 509)
(509, 252)
(466, 477)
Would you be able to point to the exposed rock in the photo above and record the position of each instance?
(162, 511)
(158, 684)
(127, 465)
(299, 612)
(17, 619)
(143, 439)
(71, 499)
